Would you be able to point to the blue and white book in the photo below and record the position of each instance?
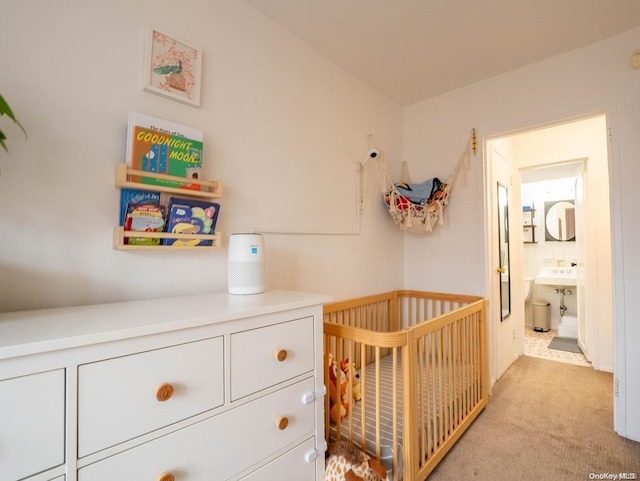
(188, 216)
(135, 196)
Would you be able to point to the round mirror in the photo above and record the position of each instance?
(560, 221)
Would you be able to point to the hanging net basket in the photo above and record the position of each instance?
(417, 208)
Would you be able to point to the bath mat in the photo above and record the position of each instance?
(568, 344)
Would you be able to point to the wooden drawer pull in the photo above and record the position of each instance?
(281, 355)
(164, 393)
(282, 423)
(166, 477)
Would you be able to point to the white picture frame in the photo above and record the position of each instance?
(172, 67)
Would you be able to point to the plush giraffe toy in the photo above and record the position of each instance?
(353, 376)
(338, 384)
(347, 463)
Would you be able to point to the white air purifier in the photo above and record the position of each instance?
(246, 264)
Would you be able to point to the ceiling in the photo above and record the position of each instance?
(411, 50)
(551, 172)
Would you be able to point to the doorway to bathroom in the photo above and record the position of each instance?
(553, 210)
(575, 156)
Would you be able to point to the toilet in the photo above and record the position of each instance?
(568, 327)
(528, 289)
(528, 294)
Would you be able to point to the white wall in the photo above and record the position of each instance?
(587, 80)
(283, 128)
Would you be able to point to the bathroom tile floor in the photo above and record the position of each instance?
(536, 345)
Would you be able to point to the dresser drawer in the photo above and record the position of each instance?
(296, 464)
(218, 447)
(121, 398)
(31, 424)
(269, 355)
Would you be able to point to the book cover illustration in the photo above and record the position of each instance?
(135, 196)
(186, 216)
(164, 147)
(144, 218)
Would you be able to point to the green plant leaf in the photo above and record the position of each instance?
(2, 139)
(6, 110)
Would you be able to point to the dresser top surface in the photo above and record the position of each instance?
(29, 332)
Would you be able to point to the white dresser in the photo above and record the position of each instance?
(196, 388)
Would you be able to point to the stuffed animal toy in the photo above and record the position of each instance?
(347, 463)
(353, 377)
(338, 387)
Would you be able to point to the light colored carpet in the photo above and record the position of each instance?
(545, 421)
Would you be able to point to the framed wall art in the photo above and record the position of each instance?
(172, 67)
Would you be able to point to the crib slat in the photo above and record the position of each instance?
(394, 403)
(327, 343)
(349, 357)
(377, 396)
(432, 381)
(409, 433)
(419, 400)
(363, 401)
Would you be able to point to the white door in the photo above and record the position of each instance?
(581, 229)
(507, 320)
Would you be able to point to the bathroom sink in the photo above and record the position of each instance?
(557, 276)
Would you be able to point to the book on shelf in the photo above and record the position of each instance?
(144, 218)
(164, 147)
(135, 196)
(188, 216)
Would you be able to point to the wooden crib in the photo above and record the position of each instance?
(432, 343)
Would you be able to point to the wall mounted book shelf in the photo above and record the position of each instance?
(131, 179)
(119, 236)
(210, 189)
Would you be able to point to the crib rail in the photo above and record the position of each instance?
(419, 349)
(374, 313)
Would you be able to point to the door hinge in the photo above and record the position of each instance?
(609, 136)
(616, 388)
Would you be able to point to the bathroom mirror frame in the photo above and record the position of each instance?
(559, 228)
(504, 270)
